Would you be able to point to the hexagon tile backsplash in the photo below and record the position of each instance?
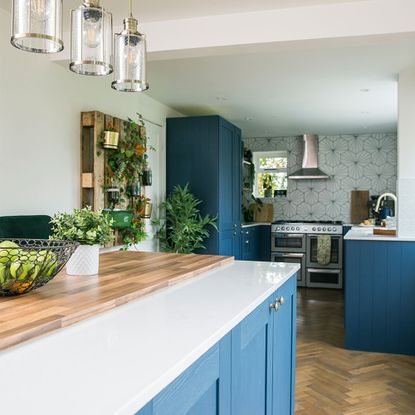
(354, 162)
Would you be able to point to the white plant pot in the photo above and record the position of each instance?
(84, 261)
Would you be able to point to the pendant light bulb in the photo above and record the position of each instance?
(37, 25)
(41, 9)
(130, 58)
(91, 39)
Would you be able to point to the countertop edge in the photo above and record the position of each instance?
(362, 236)
(250, 225)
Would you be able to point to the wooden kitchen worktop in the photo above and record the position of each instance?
(124, 276)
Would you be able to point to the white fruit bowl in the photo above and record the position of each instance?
(26, 264)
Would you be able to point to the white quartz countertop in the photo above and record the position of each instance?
(251, 224)
(116, 362)
(366, 234)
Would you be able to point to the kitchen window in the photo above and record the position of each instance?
(271, 173)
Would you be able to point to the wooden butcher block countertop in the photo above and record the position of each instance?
(123, 277)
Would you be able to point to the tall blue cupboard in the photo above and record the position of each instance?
(206, 153)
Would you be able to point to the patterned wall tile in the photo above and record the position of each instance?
(354, 162)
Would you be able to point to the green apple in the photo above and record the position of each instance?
(3, 273)
(8, 244)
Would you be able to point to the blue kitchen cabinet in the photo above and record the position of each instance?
(256, 243)
(250, 371)
(284, 351)
(250, 243)
(205, 152)
(379, 296)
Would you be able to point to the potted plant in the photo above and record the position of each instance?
(184, 229)
(91, 230)
(267, 184)
(143, 207)
(133, 234)
(109, 138)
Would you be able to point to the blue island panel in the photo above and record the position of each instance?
(380, 296)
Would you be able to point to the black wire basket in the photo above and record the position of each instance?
(26, 264)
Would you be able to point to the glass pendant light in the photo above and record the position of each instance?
(91, 39)
(37, 25)
(130, 58)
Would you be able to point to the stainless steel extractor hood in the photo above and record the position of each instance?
(310, 168)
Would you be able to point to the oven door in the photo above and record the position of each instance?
(288, 242)
(324, 278)
(336, 255)
(296, 258)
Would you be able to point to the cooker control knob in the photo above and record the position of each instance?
(319, 229)
(329, 229)
(314, 229)
(282, 228)
(324, 229)
(292, 228)
(297, 228)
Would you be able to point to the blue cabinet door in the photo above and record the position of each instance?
(203, 389)
(237, 156)
(283, 350)
(252, 363)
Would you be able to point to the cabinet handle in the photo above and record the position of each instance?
(246, 232)
(278, 303)
(247, 242)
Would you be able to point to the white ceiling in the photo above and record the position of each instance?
(151, 10)
(312, 86)
(277, 89)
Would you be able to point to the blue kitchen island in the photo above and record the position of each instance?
(219, 343)
(379, 293)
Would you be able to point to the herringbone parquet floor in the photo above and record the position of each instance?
(335, 381)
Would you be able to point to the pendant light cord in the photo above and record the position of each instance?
(131, 8)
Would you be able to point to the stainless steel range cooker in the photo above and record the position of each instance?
(298, 242)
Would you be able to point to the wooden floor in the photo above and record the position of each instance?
(335, 381)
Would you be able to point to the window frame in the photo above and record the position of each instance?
(256, 155)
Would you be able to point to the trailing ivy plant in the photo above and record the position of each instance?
(133, 234)
(184, 229)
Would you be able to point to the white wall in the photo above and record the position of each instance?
(40, 105)
(406, 154)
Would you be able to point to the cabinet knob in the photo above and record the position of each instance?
(278, 303)
(247, 242)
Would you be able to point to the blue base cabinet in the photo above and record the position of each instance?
(379, 296)
(256, 243)
(251, 371)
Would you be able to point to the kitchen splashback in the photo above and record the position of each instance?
(354, 162)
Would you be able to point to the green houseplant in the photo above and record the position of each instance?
(267, 184)
(91, 229)
(185, 229)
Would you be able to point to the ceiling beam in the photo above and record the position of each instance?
(212, 33)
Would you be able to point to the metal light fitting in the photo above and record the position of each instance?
(91, 40)
(130, 58)
(37, 25)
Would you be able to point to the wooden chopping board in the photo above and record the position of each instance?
(359, 206)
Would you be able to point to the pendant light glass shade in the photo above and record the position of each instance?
(130, 59)
(37, 25)
(91, 40)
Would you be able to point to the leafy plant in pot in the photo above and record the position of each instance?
(267, 184)
(184, 229)
(90, 229)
